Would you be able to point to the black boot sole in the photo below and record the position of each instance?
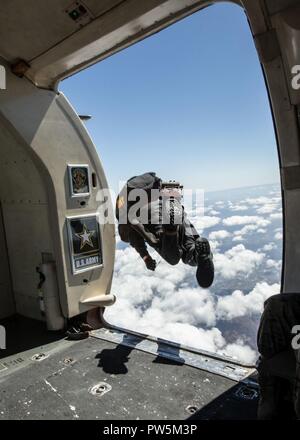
(205, 273)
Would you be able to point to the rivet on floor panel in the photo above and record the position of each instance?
(191, 409)
(39, 357)
(246, 393)
(100, 389)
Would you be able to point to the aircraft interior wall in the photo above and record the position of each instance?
(25, 237)
(41, 140)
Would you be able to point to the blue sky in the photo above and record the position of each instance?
(189, 103)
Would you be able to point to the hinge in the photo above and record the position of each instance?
(20, 68)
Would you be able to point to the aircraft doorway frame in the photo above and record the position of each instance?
(7, 299)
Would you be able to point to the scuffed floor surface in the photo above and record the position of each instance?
(97, 379)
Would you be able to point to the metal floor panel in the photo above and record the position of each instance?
(98, 379)
(223, 366)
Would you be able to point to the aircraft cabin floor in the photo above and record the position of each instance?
(97, 378)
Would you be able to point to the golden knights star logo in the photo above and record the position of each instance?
(85, 243)
(85, 237)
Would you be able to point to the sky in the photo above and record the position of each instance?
(189, 103)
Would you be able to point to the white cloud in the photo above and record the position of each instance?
(246, 230)
(237, 220)
(258, 201)
(267, 209)
(278, 236)
(118, 239)
(165, 305)
(269, 247)
(238, 304)
(272, 264)
(236, 261)
(263, 201)
(276, 216)
(214, 245)
(156, 323)
(205, 222)
(238, 238)
(215, 235)
(264, 205)
(213, 212)
(186, 334)
(241, 352)
(239, 207)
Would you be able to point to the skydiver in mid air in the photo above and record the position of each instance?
(150, 212)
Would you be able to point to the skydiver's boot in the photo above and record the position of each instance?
(206, 270)
(93, 319)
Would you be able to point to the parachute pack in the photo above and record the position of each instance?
(147, 182)
(170, 201)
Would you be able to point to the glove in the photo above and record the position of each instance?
(150, 263)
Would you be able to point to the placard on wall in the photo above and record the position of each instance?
(85, 243)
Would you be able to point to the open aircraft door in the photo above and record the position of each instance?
(57, 257)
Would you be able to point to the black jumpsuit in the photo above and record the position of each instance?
(173, 246)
